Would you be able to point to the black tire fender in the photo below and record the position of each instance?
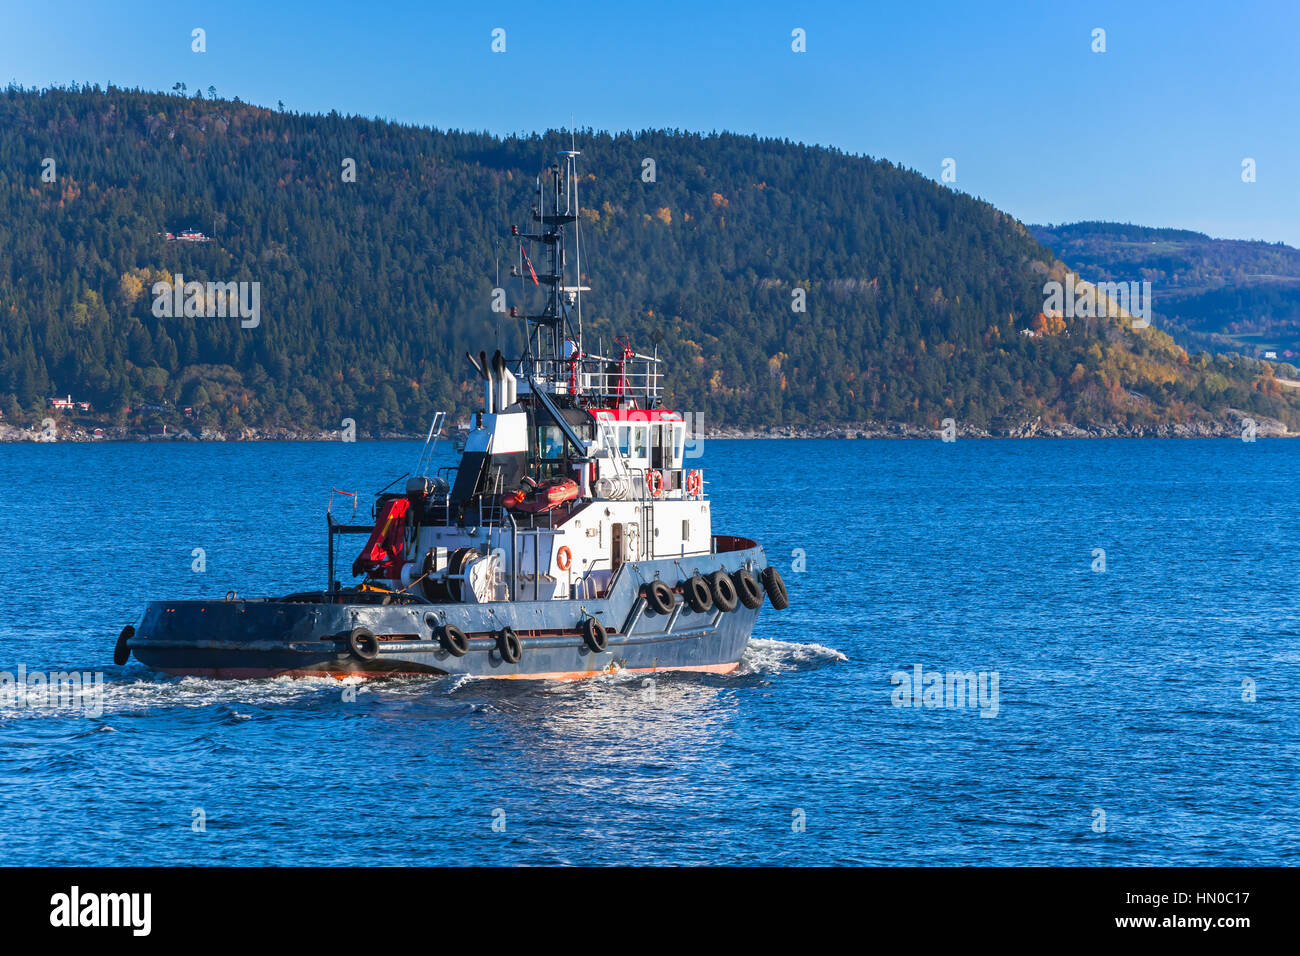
(509, 646)
(660, 597)
(453, 640)
(697, 593)
(121, 651)
(775, 588)
(723, 590)
(363, 644)
(595, 634)
(747, 589)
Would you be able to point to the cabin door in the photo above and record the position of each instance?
(615, 547)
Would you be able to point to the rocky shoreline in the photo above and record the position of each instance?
(1231, 427)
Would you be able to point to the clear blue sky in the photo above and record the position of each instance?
(1152, 131)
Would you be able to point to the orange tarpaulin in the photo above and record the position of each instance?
(382, 555)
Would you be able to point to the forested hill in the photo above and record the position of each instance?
(371, 291)
(1225, 295)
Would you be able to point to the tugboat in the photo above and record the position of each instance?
(573, 539)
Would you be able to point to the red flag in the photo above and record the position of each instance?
(529, 262)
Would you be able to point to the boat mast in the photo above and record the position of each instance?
(548, 330)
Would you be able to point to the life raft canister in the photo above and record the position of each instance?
(655, 480)
(694, 483)
(563, 558)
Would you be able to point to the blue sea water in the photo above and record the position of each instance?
(1123, 734)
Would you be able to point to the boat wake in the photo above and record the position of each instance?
(137, 690)
(779, 657)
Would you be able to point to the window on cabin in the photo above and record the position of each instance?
(639, 442)
(624, 440)
(550, 442)
(658, 447)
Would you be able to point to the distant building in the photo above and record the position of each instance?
(61, 402)
(187, 235)
(1270, 355)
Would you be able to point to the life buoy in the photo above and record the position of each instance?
(563, 558)
(694, 483)
(656, 482)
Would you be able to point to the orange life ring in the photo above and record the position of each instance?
(694, 483)
(656, 482)
(563, 558)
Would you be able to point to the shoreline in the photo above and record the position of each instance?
(1265, 428)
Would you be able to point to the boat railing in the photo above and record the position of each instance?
(604, 379)
(674, 479)
(430, 444)
(587, 584)
(336, 529)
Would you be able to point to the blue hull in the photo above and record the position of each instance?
(267, 638)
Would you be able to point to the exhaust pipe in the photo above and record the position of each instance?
(507, 393)
(488, 405)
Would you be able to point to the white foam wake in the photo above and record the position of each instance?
(775, 657)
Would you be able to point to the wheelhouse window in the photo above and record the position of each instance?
(550, 442)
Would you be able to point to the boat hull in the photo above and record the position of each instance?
(252, 638)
